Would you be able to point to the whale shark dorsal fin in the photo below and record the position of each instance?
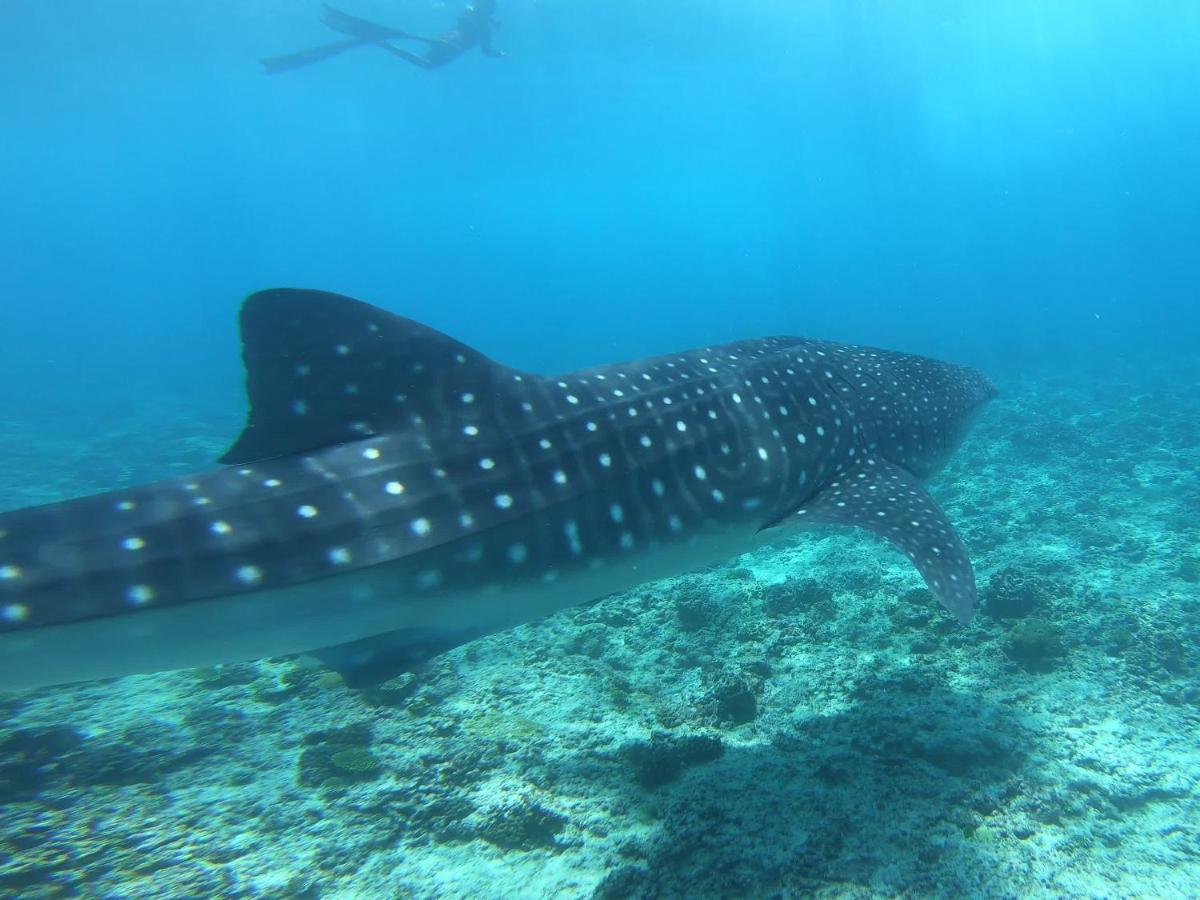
(889, 501)
(322, 369)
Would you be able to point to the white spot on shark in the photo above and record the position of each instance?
(16, 612)
(140, 594)
(429, 579)
(249, 574)
(571, 530)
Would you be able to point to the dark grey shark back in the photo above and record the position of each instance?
(372, 438)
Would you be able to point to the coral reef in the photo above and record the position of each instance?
(1036, 645)
(663, 758)
(521, 824)
(803, 722)
(1014, 593)
(338, 757)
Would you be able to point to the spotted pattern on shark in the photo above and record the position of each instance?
(373, 439)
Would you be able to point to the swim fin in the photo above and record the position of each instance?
(361, 28)
(276, 64)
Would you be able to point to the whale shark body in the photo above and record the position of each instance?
(391, 481)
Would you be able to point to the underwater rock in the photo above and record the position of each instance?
(219, 721)
(292, 682)
(225, 675)
(914, 609)
(356, 735)
(143, 754)
(1014, 594)
(521, 825)
(1119, 637)
(433, 811)
(1189, 569)
(759, 669)
(1036, 645)
(792, 597)
(1169, 652)
(1158, 654)
(592, 641)
(30, 757)
(358, 763)
(624, 883)
(337, 766)
(1156, 651)
(734, 699)
(664, 757)
(395, 691)
(696, 608)
(338, 758)
(1048, 440)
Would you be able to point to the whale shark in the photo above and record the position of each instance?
(392, 482)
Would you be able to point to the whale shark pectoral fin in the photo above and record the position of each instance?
(889, 501)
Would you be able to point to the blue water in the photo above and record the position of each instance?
(1013, 185)
(992, 182)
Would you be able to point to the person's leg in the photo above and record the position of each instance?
(409, 56)
(432, 41)
(442, 52)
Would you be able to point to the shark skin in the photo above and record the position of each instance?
(391, 481)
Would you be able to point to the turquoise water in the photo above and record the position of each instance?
(1012, 186)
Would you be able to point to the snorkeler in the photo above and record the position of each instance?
(474, 28)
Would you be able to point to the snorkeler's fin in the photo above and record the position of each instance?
(276, 64)
(362, 29)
